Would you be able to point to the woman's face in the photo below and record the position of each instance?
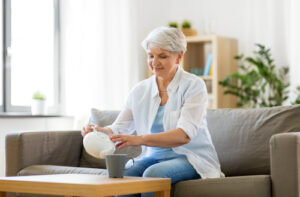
(163, 63)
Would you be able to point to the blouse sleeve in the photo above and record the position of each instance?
(124, 122)
(193, 108)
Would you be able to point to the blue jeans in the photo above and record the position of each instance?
(178, 169)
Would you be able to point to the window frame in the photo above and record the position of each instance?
(6, 23)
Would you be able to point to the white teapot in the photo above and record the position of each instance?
(98, 144)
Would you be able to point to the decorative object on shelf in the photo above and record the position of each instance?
(187, 29)
(262, 84)
(197, 71)
(186, 24)
(38, 105)
(173, 24)
(208, 65)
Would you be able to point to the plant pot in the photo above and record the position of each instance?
(189, 31)
(38, 107)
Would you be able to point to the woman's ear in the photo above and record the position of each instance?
(179, 57)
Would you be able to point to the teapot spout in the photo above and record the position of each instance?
(105, 152)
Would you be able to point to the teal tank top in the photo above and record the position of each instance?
(157, 127)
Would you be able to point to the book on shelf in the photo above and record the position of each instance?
(211, 70)
(207, 67)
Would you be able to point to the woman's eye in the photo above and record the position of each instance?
(163, 57)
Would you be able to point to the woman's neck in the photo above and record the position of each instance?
(163, 82)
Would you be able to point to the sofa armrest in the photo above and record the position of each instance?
(285, 164)
(40, 148)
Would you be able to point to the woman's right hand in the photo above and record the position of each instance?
(89, 128)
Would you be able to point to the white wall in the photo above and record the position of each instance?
(33, 124)
(249, 21)
(295, 42)
(98, 62)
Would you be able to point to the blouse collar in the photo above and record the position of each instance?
(172, 87)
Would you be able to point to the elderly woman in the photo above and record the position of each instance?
(168, 111)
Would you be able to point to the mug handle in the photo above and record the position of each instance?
(132, 163)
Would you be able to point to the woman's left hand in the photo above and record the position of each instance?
(126, 140)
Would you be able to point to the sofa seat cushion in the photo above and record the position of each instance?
(53, 169)
(246, 186)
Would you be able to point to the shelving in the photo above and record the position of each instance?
(223, 50)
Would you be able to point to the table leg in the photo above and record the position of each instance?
(164, 193)
(2, 194)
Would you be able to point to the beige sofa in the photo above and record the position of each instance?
(259, 151)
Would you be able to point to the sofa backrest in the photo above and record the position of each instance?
(241, 136)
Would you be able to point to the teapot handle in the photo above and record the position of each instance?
(131, 158)
(94, 128)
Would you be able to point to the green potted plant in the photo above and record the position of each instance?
(173, 24)
(186, 28)
(260, 83)
(38, 106)
(186, 24)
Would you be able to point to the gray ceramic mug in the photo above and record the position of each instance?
(115, 164)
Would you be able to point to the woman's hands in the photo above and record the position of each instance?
(166, 139)
(90, 128)
(122, 140)
(126, 140)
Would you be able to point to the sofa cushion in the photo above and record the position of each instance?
(246, 186)
(241, 136)
(53, 169)
(105, 118)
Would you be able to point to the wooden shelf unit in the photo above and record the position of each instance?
(223, 50)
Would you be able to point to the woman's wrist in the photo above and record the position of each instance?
(105, 130)
(143, 140)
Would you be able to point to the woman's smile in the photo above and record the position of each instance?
(157, 69)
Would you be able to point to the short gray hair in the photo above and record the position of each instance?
(167, 38)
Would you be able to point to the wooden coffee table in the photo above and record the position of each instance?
(84, 185)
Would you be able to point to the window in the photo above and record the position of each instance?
(1, 56)
(31, 48)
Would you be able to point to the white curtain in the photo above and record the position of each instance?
(295, 42)
(275, 23)
(266, 22)
(98, 47)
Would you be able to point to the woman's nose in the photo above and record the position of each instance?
(155, 62)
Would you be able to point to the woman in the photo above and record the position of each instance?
(168, 111)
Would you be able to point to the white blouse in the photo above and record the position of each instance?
(185, 109)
